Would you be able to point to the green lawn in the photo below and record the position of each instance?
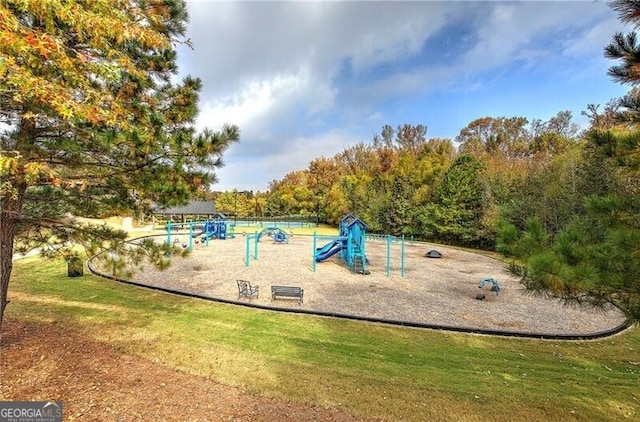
(366, 369)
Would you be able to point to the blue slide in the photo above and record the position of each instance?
(330, 249)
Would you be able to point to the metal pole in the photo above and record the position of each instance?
(388, 255)
(235, 207)
(363, 238)
(255, 237)
(402, 258)
(247, 252)
(313, 254)
(169, 235)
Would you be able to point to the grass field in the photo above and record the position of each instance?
(371, 370)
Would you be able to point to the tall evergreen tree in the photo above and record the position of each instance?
(91, 123)
(398, 218)
(455, 216)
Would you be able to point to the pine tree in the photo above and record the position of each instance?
(455, 216)
(595, 258)
(91, 123)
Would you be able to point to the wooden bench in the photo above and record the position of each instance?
(245, 289)
(287, 292)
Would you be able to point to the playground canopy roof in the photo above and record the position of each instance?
(351, 220)
(207, 208)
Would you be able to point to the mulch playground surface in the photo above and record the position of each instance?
(404, 288)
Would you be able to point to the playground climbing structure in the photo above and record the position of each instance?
(350, 245)
(277, 234)
(213, 230)
(201, 231)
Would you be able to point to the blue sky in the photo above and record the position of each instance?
(309, 79)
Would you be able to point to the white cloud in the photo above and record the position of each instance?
(238, 43)
(254, 100)
(255, 172)
(593, 38)
(525, 31)
(267, 109)
(395, 36)
(277, 69)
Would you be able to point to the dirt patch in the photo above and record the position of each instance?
(96, 382)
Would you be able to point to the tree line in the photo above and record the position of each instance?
(403, 183)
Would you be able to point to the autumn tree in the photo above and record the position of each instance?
(550, 190)
(384, 182)
(603, 118)
(503, 138)
(92, 123)
(322, 174)
(293, 195)
(554, 136)
(358, 159)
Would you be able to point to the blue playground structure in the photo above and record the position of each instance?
(350, 244)
(212, 230)
(495, 287)
(277, 234)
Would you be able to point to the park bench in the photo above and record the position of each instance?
(287, 292)
(245, 289)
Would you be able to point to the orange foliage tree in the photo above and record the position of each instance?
(92, 123)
